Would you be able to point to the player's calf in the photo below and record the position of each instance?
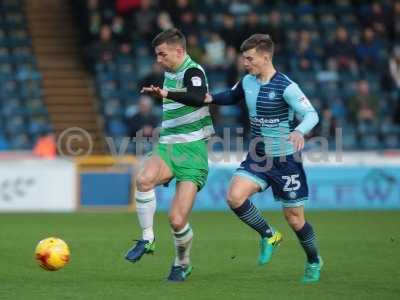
(308, 241)
(183, 242)
(145, 209)
(250, 215)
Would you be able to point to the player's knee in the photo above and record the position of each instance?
(144, 182)
(177, 222)
(235, 198)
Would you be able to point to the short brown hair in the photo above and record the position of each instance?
(170, 36)
(261, 42)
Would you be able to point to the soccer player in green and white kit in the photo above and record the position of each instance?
(180, 153)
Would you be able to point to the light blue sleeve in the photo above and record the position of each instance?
(296, 99)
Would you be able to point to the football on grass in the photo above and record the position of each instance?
(52, 253)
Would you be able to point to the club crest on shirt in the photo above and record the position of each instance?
(196, 81)
(271, 95)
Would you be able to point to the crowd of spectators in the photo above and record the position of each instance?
(23, 114)
(345, 54)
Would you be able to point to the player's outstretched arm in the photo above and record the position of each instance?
(154, 91)
(193, 94)
(229, 97)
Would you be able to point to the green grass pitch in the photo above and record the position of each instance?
(361, 251)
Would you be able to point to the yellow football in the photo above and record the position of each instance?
(52, 253)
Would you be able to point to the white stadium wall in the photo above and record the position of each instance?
(38, 185)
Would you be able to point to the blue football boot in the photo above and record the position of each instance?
(179, 273)
(142, 247)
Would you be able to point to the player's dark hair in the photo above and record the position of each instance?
(260, 42)
(170, 36)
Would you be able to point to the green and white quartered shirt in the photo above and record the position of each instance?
(182, 123)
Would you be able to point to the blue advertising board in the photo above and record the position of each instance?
(330, 188)
(105, 188)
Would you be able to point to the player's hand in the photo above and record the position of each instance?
(297, 138)
(208, 98)
(155, 91)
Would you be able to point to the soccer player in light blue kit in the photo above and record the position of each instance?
(274, 157)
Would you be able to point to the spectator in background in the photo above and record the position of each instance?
(396, 116)
(234, 70)
(194, 48)
(229, 32)
(251, 26)
(304, 55)
(108, 10)
(105, 48)
(118, 29)
(369, 50)
(395, 32)
(164, 21)
(231, 66)
(178, 10)
(275, 30)
(144, 122)
(333, 116)
(215, 51)
(45, 146)
(189, 23)
(239, 7)
(127, 6)
(92, 5)
(363, 106)
(341, 52)
(155, 77)
(94, 16)
(378, 19)
(120, 34)
(145, 21)
(328, 123)
(94, 25)
(394, 67)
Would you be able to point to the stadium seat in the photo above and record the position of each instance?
(15, 124)
(113, 108)
(37, 127)
(350, 140)
(391, 141)
(4, 144)
(22, 111)
(20, 141)
(370, 142)
(117, 127)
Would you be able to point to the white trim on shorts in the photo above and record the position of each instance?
(261, 183)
